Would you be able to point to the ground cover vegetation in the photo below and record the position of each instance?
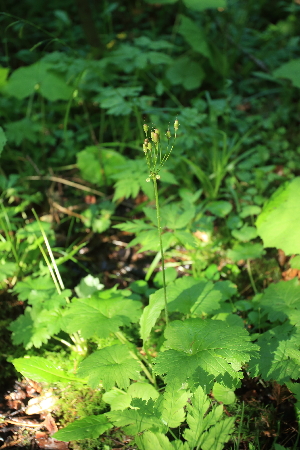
(149, 216)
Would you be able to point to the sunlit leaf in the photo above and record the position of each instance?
(144, 416)
(279, 357)
(41, 77)
(87, 428)
(278, 223)
(207, 430)
(100, 317)
(282, 301)
(41, 369)
(110, 366)
(212, 345)
(194, 35)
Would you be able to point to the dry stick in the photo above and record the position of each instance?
(67, 182)
(67, 211)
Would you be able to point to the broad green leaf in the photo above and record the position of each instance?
(279, 357)
(206, 431)
(41, 370)
(31, 232)
(87, 286)
(245, 251)
(31, 285)
(218, 435)
(174, 401)
(3, 76)
(100, 317)
(151, 313)
(7, 270)
(149, 240)
(136, 226)
(38, 77)
(97, 164)
(289, 70)
(98, 216)
(142, 390)
(279, 447)
(26, 332)
(250, 210)
(227, 289)
(295, 389)
(170, 275)
(145, 416)
(117, 399)
(223, 394)
(123, 189)
(120, 400)
(2, 140)
(86, 318)
(201, 5)
(229, 318)
(295, 262)
(110, 366)
(175, 217)
(188, 295)
(278, 223)
(136, 171)
(282, 301)
(186, 72)
(186, 238)
(245, 233)
(184, 295)
(87, 428)
(158, 441)
(43, 320)
(219, 208)
(214, 346)
(194, 35)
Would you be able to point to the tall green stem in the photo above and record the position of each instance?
(251, 277)
(161, 248)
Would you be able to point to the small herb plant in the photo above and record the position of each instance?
(156, 158)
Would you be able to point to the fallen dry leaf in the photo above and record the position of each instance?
(201, 235)
(290, 274)
(44, 402)
(50, 424)
(45, 441)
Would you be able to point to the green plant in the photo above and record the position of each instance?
(156, 158)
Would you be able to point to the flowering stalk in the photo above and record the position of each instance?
(156, 158)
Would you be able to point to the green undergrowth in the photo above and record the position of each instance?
(149, 180)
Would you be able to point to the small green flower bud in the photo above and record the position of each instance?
(145, 128)
(147, 179)
(176, 125)
(157, 177)
(157, 131)
(168, 134)
(149, 146)
(154, 137)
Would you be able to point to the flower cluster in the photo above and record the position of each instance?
(152, 148)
